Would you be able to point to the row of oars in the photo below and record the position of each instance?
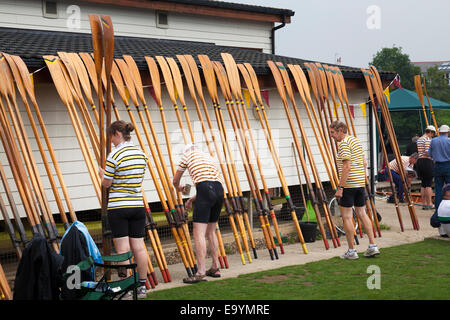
(14, 73)
(376, 84)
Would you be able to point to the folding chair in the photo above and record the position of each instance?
(104, 289)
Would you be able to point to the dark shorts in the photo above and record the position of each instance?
(127, 222)
(208, 202)
(353, 197)
(425, 171)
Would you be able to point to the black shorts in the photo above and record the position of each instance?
(208, 202)
(353, 197)
(127, 222)
(425, 171)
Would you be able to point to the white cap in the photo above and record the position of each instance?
(432, 128)
(444, 128)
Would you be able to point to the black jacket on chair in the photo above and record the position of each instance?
(37, 276)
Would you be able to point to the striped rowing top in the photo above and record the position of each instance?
(350, 148)
(201, 166)
(405, 161)
(423, 145)
(125, 165)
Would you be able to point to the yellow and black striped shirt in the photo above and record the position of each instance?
(125, 165)
(351, 149)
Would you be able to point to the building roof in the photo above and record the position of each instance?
(207, 7)
(404, 99)
(31, 45)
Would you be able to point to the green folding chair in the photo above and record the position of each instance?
(104, 289)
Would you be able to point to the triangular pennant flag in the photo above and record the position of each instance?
(246, 97)
(352, 110)
(151, 90)
(363, 108)
(386, 93)
(265, 95)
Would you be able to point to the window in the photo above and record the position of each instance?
(50, 9)
(162, 20)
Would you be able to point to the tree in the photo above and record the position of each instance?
(437, 84)
(392, 59)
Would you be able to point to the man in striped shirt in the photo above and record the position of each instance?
(425, 167)
(351, 188)
(408, 164)
(207, 208)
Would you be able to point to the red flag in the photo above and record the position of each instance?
(352, 110)
(396, 82)
(265, 95)
(152, 93)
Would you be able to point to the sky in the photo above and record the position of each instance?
(355, 30)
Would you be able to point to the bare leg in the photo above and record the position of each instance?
(365, 220)
(200, 246)
(213, 244)
(347, 218)
(138, 249)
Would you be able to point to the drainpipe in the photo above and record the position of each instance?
(275, 29)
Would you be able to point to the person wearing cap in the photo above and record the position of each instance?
(425, 167)
(207, 202)
(440, 152)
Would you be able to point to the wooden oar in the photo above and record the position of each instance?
(377, 85)
(7, 91)
(430, 107)
(4, 286)
(273, 151)
(319, 187)
(208, 73)
(366, 75)
(249, 85)
(231, 204)
(418, 85)
(280, 87)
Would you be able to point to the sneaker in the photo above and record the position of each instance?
(142, 292)
(372, 251)
(350, 255)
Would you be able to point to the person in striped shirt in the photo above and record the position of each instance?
(425, 167)
(208, 200)
(408, 164)
(123, 175)
(351, 188)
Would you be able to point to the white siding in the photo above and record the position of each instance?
(27, 14)
(79, 182)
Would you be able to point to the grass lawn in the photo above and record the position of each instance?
(412, 271)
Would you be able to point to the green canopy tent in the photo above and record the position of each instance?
(405, 100)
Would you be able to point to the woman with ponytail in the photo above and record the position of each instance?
(124, 173)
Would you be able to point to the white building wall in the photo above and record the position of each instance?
(78, 181)
(135, 22)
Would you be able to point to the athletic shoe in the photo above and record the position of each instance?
(350, 255)
(142, 292)
(372, 251)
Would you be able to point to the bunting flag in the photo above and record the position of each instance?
(265, 95)
(363, 108)
(396, 82)
(151, 90)
(246, 97)
(386, 93)
(352, 110)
